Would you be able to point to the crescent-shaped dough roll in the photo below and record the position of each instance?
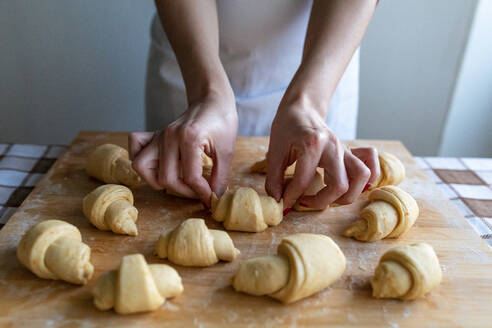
(245, 210)
(391, 213)
(316, 185)
(261, 167)
(111, 164)
(110, 207)
(53, 249)
(406, 272)
(207, 165)
(392, 171)
(136, 286)
(193, 244)
(306, 264)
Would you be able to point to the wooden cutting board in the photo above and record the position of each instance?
(462, 299)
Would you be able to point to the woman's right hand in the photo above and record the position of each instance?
(172, 158)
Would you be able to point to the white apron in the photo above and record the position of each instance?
(261, 45)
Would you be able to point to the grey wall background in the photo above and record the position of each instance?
(72, 65)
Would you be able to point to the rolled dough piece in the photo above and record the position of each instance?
(392, 171)
(407, 272)
(136, 286)
(391, 213)
(261, 167)
(193, 244)
(316, 185)
(305, 264)
(245, 210)
(53, 249)
(111, 164)
(110, 207)
(206, 173)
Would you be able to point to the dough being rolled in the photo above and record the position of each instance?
(391, 213)
(261, 167)
(111, 164)
(136, 286)
(316, 185)
(53, 249)
(110, 207)
(206, 173)
(406, 272)
(305, 264)
(193, 244)
(245, 210)
(392, 171)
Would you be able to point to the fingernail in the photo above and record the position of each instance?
(303, 204)
(366, 187)
(287, 210)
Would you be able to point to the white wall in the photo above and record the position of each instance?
(409, 61)
(67, 65)
(469, 126)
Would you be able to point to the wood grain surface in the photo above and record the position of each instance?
(463, 298)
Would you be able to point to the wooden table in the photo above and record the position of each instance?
(462, 299)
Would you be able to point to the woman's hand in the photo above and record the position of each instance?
(299, 133)
(172, 159)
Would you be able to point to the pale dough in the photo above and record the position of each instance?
(392, 171)
(110, 207)
(407, 272)
(193, 244)
(53, 249)
(306, 264)
(391, 213)
(316, 185)
(245, 210)
(136, 286)
(261, 167)
(110, 164)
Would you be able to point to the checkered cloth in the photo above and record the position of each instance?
(466, 181)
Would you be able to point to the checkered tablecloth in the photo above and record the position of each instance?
(466, 181)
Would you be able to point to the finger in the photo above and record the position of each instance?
(137, 141)
(335, 177)
(192, 166)
(369, 156)
(303, 175)
(276, 164)
(358, 176)
(220, 171)
(146, 164)
(169, 165)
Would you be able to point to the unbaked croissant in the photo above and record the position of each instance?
(53, 249)
(406, 272)
(261, 167)
(136, 286)
(245, 210)
(391, 213)
(306, 264)
(193, 244)
(392, 171)
(317, 183)
(110, 207)
(110, 164)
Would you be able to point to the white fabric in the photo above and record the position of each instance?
(261, 46)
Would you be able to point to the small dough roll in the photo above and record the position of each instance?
(53, 249)
(407, 272)
(110, 207)
(392, 171)
(136, 286)
(261, 167)
(391, 213)
(111, 164)
(245, 210)
(305, 264)
(193, 244)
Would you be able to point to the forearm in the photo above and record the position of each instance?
(192, 30)
(334, 32)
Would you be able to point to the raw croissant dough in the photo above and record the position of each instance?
(110, 207)
(316, 185)
(136, 286)
(305, 264)
(193, 244)
(261, 167)
(392, 171)
(110, 163)
(391, 213)
(406, 272)
(53, 249)
(245, 210)
(207, 165)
